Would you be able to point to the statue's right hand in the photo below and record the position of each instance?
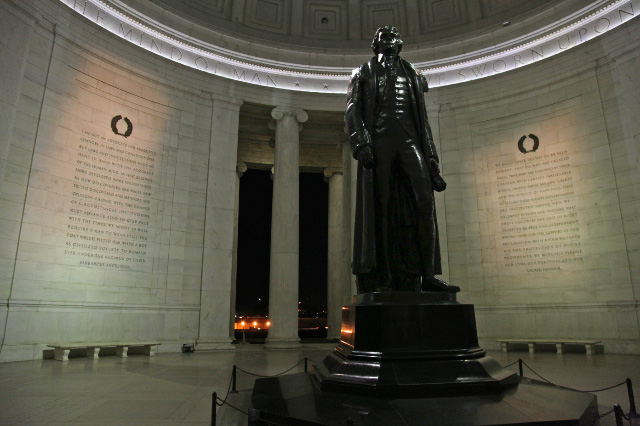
(365, 156)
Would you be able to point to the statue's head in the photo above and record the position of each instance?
(387, 40)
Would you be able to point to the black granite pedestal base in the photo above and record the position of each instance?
(298, 400)
(409, 358)
(411, 345)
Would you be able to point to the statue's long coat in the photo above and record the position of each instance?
(361, 114)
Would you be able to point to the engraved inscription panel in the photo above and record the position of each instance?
(101, 204)
(535, 211)
(110, 202)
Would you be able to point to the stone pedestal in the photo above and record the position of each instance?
(413, 358)
(296, 399)
(406, 344)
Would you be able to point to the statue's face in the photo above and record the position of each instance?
(388, 43)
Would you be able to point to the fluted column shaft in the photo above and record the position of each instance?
(338, 281)
(283, 274)
(240, 169)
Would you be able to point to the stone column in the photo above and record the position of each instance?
(283, 275)
(240, 169)
(338, 281)
(216, 293)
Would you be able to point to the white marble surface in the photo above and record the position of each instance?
(53, 296)
(283, 273)
(568, 103)
(175, 389)
(338, 271)
(215, 310)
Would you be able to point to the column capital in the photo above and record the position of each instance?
(241, 167)
(278, 113)
(331, 171)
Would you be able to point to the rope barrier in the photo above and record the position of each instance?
(221, 402)
(616, 409)
(232, 388)
(539, 376)
(607, 413)
(578, 390)
(275, 375)
(226, 396)
(603, 389)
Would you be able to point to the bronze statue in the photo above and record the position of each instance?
(396, 245)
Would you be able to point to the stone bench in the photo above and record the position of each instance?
(560, 343)
(61, 350)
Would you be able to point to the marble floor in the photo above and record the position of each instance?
(176, 388)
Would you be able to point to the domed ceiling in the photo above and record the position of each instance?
(322, 23)
(312, 45)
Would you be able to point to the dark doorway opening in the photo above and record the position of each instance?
(314, 233)
(254, 245)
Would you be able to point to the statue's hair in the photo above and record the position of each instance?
(385, 28)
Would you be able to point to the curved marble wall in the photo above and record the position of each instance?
(145, 149)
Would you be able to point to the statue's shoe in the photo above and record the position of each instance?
(436, 284)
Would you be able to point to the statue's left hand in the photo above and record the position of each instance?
(438, 183)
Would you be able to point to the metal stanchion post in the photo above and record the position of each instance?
(520, 367)
(632, 401)
(233, 380)
(617, 410)
(214, 399)
(305, 365)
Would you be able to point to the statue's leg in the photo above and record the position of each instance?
(384, 159)
(415, 167)
(417, 171)
(366, 283)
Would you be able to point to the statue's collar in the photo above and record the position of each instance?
(393, 59)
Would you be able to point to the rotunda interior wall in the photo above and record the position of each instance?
(580, 105)
(542, 239)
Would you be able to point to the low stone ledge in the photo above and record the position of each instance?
(560, 344)
(61, 350)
